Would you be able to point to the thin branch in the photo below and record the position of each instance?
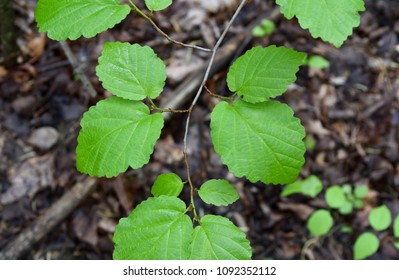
(135, 8)
(78, 70)
(168, 110)
(53, 216)
(217, 95)
(208, 69)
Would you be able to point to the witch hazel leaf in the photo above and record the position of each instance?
(218, 192)
(262, 73)
(157, 5)
(217, 238)
(167, 184)
(158, 229)
(332, 21)
(70, 19)
(116, 134)
(131, 71)
(261, 141)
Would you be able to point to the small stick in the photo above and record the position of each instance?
(48, 221)
(77, 69)
(135, 8)
(225, 54)
(200, 89)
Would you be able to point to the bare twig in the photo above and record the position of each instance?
(217, 95)
(208, 69)
(48, 221)
(165, 110)
(77, 69)
(135, 8)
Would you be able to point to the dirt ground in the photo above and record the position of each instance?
(350, 111)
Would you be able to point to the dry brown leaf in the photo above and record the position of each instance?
(3, 72)
(36, 46)
(303, 211)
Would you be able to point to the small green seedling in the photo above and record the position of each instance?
(365, 245)
(311, 186)
(368, 243)
(396, 232)
(380, 218)
(318, 62)
(320, 222)
(265, 28)
(345, 199)
(310, 142)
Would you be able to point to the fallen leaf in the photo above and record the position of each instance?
(303, 211)
(44, 138)
(36, 47)
(3, 72)
(27, 179)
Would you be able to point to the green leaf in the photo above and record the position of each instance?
(157, 229)
(311, 186)
(357, 203)
(318, 62)
(332, 21)
(157, 5)
(380, 218)
(131, 71)
(265, 28)
(310, 143)
(320, 222)
(167, 184)
(347, 189)
(365, 245)
(335, 197)
(262, 73)
(361, 191)
(270, 150)
(396, 227)
(346, 208)
(346, 229)
(116, 134)
(71, 19)
(396, 231)
(218, 192)
(219, 239)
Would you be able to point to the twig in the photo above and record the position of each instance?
(217, 95)
(78, 71)
(225, 54)
(165, 110)
(306, 248)
(208, 69)
(46, 223)
(135, 8)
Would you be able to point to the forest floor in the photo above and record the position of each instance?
(350, 111)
